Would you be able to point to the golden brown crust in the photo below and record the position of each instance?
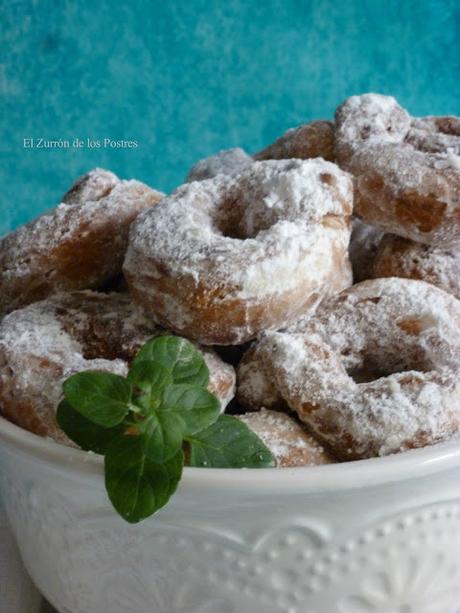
(211, 321)
(401, 257)
(78, 245)
(221, 260)
(310, 140)
(46, 342)
(288, 440)
(407, 170)
(375, 371)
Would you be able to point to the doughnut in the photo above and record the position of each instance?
(407, 171)
(78, 245)
(223, 259)
(290, 444)
(401, 257)
(227, 162)
(44, 343)
(310, 140)
(376, 370)
(364, 242)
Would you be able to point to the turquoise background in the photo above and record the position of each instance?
(186, 79)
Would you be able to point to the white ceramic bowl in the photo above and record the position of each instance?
(17, 592)
(376, 536)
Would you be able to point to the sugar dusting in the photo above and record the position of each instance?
(407, 170)
(370, 118)
(255, 388)
(227, 162)
(184, 232)
(43, 344)
(289, 442)
(403, 258)
(36, 260)
(94, 185)
(424, 134)
(258, 234)
(406, 334)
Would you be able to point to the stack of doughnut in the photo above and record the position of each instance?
(320, 277)
(407, 189)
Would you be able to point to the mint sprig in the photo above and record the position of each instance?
(137, 485)
(144, 422)
(228, 443)
(88, 435)
(104, 398)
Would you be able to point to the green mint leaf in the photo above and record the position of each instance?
(88, 435)
(197, 407)
(228, 443)
(103, 398)
(183, 360)
(164, 433)
(151, 378)
(136, 485)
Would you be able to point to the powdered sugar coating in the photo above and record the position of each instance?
(290, 444)
(94, 185)
(222, 259)
(407, 171)
(400, 257)
(222, 376)
(44, 343)
(368, 119)
(255, 387)
(310, 140)
(227, 162)
(78, 245)
(376, 371)
(435, 134)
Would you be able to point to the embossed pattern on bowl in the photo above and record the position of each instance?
(376, 536)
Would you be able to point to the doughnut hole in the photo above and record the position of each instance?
(228, 220)
(384, 355)
(371, 371)
(247, 212)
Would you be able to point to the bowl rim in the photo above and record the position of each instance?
(342, 476)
